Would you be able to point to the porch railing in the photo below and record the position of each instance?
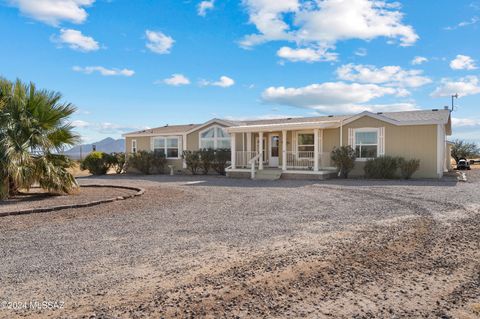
(295, 160)
(243, 158)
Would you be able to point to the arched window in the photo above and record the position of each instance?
(214, 137)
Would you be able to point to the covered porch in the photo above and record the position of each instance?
(291, 149)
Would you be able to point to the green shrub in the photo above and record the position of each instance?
(383, 167)
(207, 158)
(97, 163)
(221, 159)
(408, 168)
(344, 159)
(192, 159)
(118, 162)
(148, 162)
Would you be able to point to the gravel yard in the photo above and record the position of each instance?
(217, 247)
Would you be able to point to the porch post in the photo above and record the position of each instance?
(284, 150)
(260, 149)
(233, 150)
(315, 150)
(249, 142)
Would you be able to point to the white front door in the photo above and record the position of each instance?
(274, 150)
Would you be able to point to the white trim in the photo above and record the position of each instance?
(165, 146)
(214, 138)
(365, 129)
(440, 150)
(297, 145)
(132, 147)
(275, 127)
(315, 149)
(260, 150)
(270, 149)
(284, 150)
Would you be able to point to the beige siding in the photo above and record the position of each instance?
(415, 141)
(143, 144)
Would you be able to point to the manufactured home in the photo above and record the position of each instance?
(301, 147)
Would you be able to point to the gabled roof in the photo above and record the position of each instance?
(419, 117)
(164, 130)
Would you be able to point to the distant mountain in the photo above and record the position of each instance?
(108, 145)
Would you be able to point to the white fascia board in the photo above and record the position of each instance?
(152, 134)
(282, 126)
(212, 121)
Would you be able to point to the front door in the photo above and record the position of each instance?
(274, 150)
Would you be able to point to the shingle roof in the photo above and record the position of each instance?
(405, 116)
(419, 116)
(167, 129)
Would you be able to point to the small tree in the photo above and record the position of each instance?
(148, 162)
(207, 157)
(464, 149)
(97, 163)
(344, 159)
(222, 157)
(192, 159)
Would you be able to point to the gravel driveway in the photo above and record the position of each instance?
(217, 247)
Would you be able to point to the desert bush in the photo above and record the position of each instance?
(148, 162)
(221, 159)
(97, 163)
(408, 167)
(344, 159)
(118, 162)
(192, 159)
(383, 167)
(207, 157)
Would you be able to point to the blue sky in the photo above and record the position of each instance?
(128, 64)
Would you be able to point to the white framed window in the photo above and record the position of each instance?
(167, 146)
(305, 144)
(214, 137)
(366, 143)
(134, 146)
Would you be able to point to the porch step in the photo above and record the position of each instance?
(268, 174)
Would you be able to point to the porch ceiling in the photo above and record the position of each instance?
(283, 126)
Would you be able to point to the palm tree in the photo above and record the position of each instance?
(34, 127)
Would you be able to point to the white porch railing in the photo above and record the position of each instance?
(295, 160)
(243, 158)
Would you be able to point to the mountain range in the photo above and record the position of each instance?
(107, 145)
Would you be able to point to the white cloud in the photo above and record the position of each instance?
(419, 60)
(306, 54)
(388, 75)
(468, 85)
(463, 62)
(80, 124)
(159, 42)
(204, 6)
(334, 97)
(103, 71)
(461, 122)
(54, 11)
(473, 20)
(76, 40)
(323, 23)
(361, 52)
(224, 82)
(177, 80)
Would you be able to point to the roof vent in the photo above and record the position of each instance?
(379, 113)
(446, 107)
(330, 116)
(166, 125)
(434, 110)
(289, 118)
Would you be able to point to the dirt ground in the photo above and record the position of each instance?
(220, 248)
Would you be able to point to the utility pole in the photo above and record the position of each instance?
(455, 96)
